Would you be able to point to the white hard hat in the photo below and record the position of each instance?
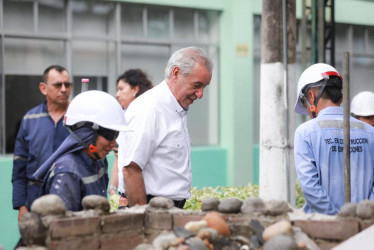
(363, 104)
(96, 107)
(312, 74)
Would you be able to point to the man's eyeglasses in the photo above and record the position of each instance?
(58, 85)
(108, 134)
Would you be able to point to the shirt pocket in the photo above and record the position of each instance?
(175, 143)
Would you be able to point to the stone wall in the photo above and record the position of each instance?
(96, 228)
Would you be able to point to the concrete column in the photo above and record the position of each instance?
(278, 87)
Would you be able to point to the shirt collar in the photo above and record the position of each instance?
(91, 165)
(45, 108)
(333, 110)
(172, 100)
(85, 158)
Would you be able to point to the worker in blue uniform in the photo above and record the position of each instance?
(319, 144)
(79, 167)
(40, 134)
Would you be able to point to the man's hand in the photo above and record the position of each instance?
(135, 189)
(112, 191)
(21, 211)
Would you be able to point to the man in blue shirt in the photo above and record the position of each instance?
(40, 134)
(319, 144)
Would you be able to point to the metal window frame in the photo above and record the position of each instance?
(67, 38)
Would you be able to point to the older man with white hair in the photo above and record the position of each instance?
(155, 154)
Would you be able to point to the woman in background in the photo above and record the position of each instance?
(130, 85)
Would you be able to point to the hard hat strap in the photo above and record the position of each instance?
(79, 140)
(323, 85)
(311, 107)
(91, 147)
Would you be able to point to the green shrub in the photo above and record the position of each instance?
(300, 199)
(198, 195)
(241, 192)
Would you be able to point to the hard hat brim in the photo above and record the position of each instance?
(299, 108)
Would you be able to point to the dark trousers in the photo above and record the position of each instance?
(177, 203)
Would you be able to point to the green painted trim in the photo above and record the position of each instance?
(354, 12)
(256, 163)
(236, 88)
(256, 7)
(348, 11)
(9, 235)
(226, 91)
(206, 4)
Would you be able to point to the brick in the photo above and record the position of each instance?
(125, 241)
(181, 220)
(74, 226)
(329, 229)
(365, 224)
(158, 221)
(123, 222)
(326, 245)
(81, 243)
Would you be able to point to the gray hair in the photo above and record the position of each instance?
(186, 58)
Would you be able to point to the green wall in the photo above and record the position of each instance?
(9, 234)
(236, 77)
(256, 163)
(206, 4)
(209, 167)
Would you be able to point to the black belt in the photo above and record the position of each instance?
(177, 203)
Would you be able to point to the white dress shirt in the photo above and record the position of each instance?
(121, 183)
(158, 141)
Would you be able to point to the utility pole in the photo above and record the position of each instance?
(278, 95)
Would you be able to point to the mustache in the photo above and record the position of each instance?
(65, 94)
(193, 98)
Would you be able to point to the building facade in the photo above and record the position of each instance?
(99, 40)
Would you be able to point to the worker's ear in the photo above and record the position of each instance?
(311, 96)
(43, 88)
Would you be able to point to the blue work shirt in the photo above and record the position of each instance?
(74, 176)
(319, 161)
(37, 139)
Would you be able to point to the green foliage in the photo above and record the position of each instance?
(113, 202)
(241, 192)
(300, 199)
(198, 195)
